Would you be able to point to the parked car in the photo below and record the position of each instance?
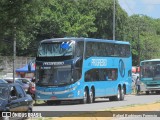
(8, 79)
(14, 98)
(24, 82)
(3, 81)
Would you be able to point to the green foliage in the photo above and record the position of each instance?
(32, 21)
(62, 18)
(17, 20)
(142, 33)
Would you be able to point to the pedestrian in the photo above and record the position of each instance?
(137, 82)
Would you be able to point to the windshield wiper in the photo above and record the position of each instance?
(67, 51)
(62, 83)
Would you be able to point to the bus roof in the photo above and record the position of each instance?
(84, 39)
(150, 60)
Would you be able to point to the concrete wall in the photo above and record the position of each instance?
(6, 63)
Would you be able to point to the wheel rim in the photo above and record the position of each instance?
(122, 94)
(85, 97)
(91, 96)
(118, 95)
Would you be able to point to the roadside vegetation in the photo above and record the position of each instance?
(30, 21)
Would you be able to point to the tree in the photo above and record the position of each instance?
(62, 18)
(17, 18)
(103, 12)
(142, 33)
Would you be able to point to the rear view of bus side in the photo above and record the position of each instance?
(83, 69)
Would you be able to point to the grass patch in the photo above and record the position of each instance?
(157, 101)
(38, 102)
(115, 108)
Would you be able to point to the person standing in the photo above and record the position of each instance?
(137, 82)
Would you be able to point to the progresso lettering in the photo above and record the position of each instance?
(53, 63)
(99, 62)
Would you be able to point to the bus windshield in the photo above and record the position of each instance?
(151, 70)
(54, 76)
(56, 49)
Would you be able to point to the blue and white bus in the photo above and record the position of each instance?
(83, 69)
(150, 75)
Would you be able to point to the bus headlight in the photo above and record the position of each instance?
(78, 92)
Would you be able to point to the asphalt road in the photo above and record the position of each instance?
(99, 105)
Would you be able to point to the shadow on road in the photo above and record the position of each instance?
(62, 103)
(144, 94)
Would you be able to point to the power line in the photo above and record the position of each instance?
(151, 3)
(128, 7)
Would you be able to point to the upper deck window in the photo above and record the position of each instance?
(56, 49)
(104, 49)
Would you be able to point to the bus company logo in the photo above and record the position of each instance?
(53, 63)
(99, 62)
(121, 68)
(6, 114)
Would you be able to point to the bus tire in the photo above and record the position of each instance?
(147, 92)
(91, 96)
(157, 92)
(122, 94)
(117, 97)
(85, 97)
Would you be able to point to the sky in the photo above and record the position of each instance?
(150, 8)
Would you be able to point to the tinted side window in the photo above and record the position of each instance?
(128, 50)
(79, 48)
(101, 74)
(13, 91)
(102, 49)
(20, 91)
(109, 49)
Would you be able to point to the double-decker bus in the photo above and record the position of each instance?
(150, 75)
(83, 69)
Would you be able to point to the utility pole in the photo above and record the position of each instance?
(114, 14)
(140, 21)
(14, 53)
(138, 46)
